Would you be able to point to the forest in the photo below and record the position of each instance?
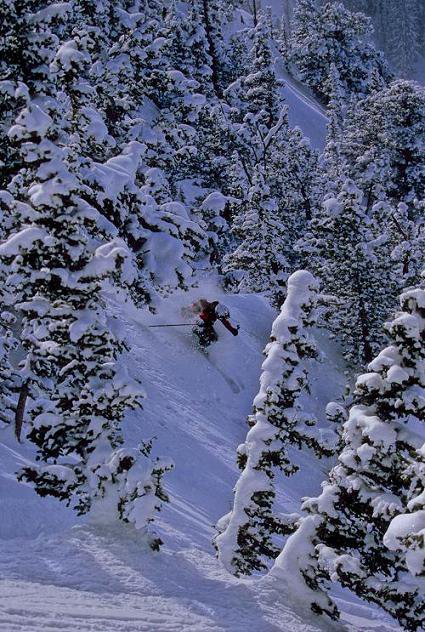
(153, 152)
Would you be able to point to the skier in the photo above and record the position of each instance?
(209, 313)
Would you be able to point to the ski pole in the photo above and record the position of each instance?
(177, 325)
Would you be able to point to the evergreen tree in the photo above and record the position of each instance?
(399, 26)
(255, 96)
(261, 124)
(27, 45)
(332, 34)
(165, 240)
(404, 238)
(212, 211)
(134, 198)
(70, 69)
(374, 495)
(240, 43)
(172, 242)
(258, 264)
(57, 272)
(261, 85)
(247, 534)
(267, 161)
(216, 142)
(331, 171)
(10, 383)
(265, 143)
(291, 173)
(212, 14)
(347, 253)
(187, 47)
(9, 377)
(176, 126)
(403, 35)
(134, 70)
(383, 144)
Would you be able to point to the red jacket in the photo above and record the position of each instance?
(209, 316)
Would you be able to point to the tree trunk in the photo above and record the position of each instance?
(20, 410)
(212, 49)
(254, 12)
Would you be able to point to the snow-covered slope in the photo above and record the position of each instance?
(60, 572)
(63, 573)
(303, 109)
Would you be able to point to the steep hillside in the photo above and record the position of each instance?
(159, 152)
(98, 577)
(95, 577)
(303, 109)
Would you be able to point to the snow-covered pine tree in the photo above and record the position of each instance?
(384, 145)
(247, 535)
(213, 16)
(221, 211)
(406, 532)
(281, 199)
(27, 45)
(79, 393)
(240, 43)
(331, 34)
(106, 185)
(258, 264)
(171, 243)
(213, 214)
(399, 27)
(270, 152)
(177, 139)
(331, 172)
(140, 208)
(261, 86)
(350, 257)
(162, 236)
(383, 150)
(13, 97)
(187, 47)
(403, 35)
(283, 37)
(215, 145)
(97, 23)
(133, 71)
(256, 95)
(292, 166)
(365, 530)
(70, 68)
(11, 215)
(27, 42)
(404, 238)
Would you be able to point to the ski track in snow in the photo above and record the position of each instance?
(304, 112)
(59, 572)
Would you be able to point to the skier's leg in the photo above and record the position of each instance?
(212, 335)
(198, 335)
(204, 334)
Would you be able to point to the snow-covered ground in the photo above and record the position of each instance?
(304, 111)
(59, 572)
